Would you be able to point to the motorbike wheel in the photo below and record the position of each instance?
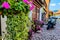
(49, 26)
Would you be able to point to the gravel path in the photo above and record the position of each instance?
(53, 34)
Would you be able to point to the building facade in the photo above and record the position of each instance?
(40, 5)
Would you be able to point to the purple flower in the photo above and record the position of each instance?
(5, 5)
(41, 22)
(38, 27)
(30, 30)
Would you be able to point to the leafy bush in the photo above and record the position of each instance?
(17, 28)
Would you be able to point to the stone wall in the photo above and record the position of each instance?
(3, 25)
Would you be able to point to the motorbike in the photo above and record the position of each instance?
(51, 23)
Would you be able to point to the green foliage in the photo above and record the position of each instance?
(17, 27)
(16, 6)
(17, 20)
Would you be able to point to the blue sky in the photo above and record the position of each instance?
(54, 5)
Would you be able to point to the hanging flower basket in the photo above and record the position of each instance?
(17, 19)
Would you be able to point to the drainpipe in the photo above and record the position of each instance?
(47, 7)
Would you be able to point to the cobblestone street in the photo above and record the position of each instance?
(53, 34)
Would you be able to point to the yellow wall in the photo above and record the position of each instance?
(56, 14)
(47, 7)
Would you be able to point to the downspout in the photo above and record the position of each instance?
(47, 7)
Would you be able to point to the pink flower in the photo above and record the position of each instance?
(25, 1)
(5, 5)
(32, 6)
(29, 2)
